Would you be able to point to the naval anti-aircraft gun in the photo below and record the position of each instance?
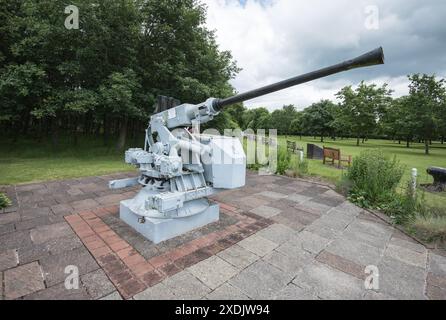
(179, 168)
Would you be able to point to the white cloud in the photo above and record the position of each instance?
(275, 40)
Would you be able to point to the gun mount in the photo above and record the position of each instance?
(179, 168)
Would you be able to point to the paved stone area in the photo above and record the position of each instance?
(278, 238)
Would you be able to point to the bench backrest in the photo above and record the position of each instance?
(332, 153)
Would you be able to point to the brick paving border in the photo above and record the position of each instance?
(130, 272)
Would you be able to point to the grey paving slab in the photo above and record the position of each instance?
(324, 231)
(313, 191)
(16, 240)
(328, 283)
(261, 280)
(401, 280)
(277, 233)
(271, 194)
(349, 208)
(373, 295)
(290, 264)
(23, 280)
(293, 248)
(310, 242)
(213, 271)
(314, 207)
(277, 262)
(7, 228)
(112, 296)
(238, 256)
(293, 292)
(406, 255)
(8, 259)
(158, 292)
(45, 233)
(437, 264)
(298, 198)
(185, 286)
(97, 284)
(258, 245)
(6, 218)
(330, 201)
(227, 292)
(412, 245)
(59, 292)
(368, 232)
(289, 219)
(266, 211)
(358, 252)
(53, 266)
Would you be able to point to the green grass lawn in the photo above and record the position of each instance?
(412, 157)
(29, 161)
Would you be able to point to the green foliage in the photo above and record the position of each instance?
(431, 227)
(107, 73)
(427, 101)
(317, 119)
(283, 160)
(4, 201)
(361, 108)
(404, 207)
(374, 178)
(299, 168)
(281, 119)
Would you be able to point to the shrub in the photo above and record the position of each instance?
(4, 201)
(404, 208)
(283, 160)
(373, 177)
(430, 223)
(431, 228)
(299, 168)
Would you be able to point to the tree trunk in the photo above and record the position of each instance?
(75, 136)
(426, 146)
(105, 133)
(407, 143)
(54, 132)
(122, 134)
(357, 141)
(322, 138)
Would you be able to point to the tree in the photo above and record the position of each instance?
(296, 127)
(257, 118)
(104, 76)
(426, 97)
(362, 108)
(399, 121)
(281, 119)
(317, 118)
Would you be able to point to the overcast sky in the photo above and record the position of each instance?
(277, 39)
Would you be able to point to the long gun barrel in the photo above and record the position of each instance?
(371, 58)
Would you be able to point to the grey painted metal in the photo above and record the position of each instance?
(179, 168)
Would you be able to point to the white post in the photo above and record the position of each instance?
(414, 180)
(301, 156)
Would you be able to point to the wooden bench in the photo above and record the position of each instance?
(335, 155)
(291, 145)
